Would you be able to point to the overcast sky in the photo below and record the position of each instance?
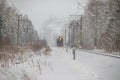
(40, 10)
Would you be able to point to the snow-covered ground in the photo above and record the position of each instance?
(61, 66)
(105, 67)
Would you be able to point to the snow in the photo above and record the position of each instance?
(106, 67)
(61, 66)
(65, 68)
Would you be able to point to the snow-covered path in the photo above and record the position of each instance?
(65, 68)
(61, 66)
(87, 66)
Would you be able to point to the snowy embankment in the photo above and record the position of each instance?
(59, 65)
(19, 65)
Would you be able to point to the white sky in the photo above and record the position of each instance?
(40, 10)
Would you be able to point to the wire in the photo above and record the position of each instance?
(85, 8)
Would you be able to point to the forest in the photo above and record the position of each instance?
(98, 27)
(17, 34)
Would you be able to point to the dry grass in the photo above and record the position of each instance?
(25, 77)
(17, 55)
(10, 54)
(47, 51)
(36, 47)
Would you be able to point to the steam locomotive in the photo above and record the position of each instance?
(59, 42)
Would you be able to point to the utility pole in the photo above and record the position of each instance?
(81, 31)
(66, 45)
(96, 16)
(69, 36)
(1, 38)
(96, 23)
(18, 29)
(27, 35)
(32, 38)
(65, 36)
(73, 38)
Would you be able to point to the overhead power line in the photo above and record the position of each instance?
(85, 8)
